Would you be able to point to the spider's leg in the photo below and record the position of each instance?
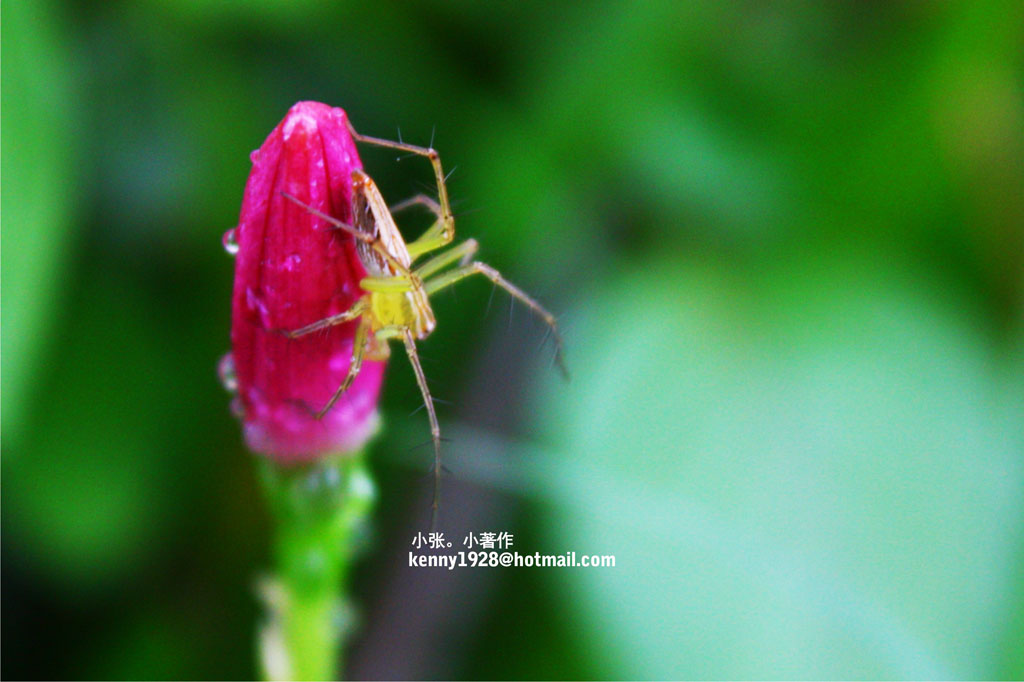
(477, 268)
(357, 309)
(442, 232)
(358, 351)
(461, 254)
(421, 200)
(373, 242)
(435, 430)
(428, 240)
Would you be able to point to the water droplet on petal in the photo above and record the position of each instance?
(226, 372)
(255, 304)
(229, 242)
(292, 262)
(254, 155)
(237, 408)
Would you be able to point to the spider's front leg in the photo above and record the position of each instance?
(431, 239)
(442, 232)
(373, 242)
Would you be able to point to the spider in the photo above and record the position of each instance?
(398, 286)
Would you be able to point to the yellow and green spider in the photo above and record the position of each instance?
(399, 283)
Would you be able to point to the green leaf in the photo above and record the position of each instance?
(38, 198)
(811, 474)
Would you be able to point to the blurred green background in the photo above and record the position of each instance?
(785, 241)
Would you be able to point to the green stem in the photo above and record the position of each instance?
(319, 511)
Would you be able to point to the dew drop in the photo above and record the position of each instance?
(254, 156)
(226, 372)
(229, 242)
(237, 408)
(255, 304)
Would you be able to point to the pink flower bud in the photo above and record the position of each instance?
(293, 269)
